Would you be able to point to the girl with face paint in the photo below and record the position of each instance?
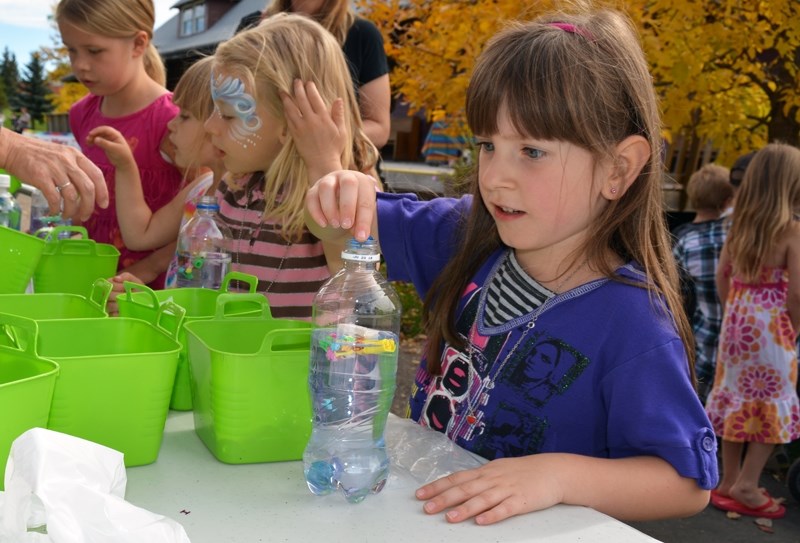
(286, 60)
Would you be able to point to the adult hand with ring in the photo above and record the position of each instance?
(53, 169)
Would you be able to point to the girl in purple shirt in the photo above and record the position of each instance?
(557, 343)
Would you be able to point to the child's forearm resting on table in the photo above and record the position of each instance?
(636, 488)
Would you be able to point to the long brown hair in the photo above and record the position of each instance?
(765, 206)
(589, 86)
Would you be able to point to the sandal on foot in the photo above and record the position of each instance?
(761, 511)
(717, 499)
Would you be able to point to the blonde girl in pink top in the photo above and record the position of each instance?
(110, 49)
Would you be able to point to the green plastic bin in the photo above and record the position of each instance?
(250, 384)
(26, 387)
(199, 303)
(115, 382)
(19, 256)
(59, 305)
(71, 265)
(53, 306)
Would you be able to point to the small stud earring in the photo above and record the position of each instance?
(613, 190)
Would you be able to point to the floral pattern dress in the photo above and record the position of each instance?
(754, 396)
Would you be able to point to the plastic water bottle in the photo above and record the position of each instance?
(204, 256)
(353, 366)
(10, 211)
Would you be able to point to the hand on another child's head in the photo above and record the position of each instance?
(319, 133)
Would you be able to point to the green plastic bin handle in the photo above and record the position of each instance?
(251, 280)
(286, 340)
(42, 232)
(170, 307)
(83, 247)
(11, 325)
(101, 290)
(256, 298)
(130, 286)
(52, 235)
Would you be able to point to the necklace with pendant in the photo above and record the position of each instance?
(254, 234)
(488, 383)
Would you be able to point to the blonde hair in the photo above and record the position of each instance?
(583, 79)
(765, 206)
(709, 188)
(193, 91)
(193, 95)
(336, 16)
(116, 19)
(268, 59)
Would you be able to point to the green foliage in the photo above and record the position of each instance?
(458, 183)
(33, 90)
(9, 75)
(727, 71)
(411, 320)
(411, 324)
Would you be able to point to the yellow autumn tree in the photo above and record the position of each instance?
(726, 71)
(68, 93)
(433, 45)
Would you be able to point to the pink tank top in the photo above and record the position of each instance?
(161, 180)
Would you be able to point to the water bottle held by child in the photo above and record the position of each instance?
(204, 255)
(354, 349)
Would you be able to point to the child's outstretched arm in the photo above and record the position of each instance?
(636, 488)
(341, 204)
(141, 228)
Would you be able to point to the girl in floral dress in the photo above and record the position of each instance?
(754, 399)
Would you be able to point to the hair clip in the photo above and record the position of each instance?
(572, 29)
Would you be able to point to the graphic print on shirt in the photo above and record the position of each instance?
(500, 406)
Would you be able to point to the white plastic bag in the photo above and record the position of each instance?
(63, 489)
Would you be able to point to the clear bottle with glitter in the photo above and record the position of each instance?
(352, 376)
(204, 248)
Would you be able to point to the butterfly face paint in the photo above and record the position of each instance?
(230, 99)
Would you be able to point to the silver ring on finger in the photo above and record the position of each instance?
(59, 188)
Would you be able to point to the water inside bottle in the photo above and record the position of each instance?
(352, 382)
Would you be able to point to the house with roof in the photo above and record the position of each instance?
(199, 26)
(196, 29)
